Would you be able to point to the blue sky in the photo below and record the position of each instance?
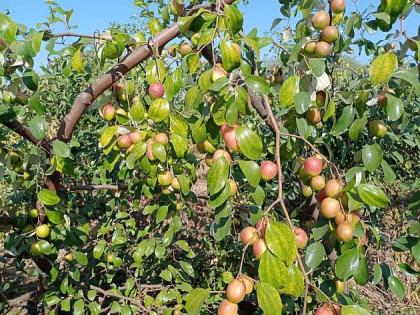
(92, 15)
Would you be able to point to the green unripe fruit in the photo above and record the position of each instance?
(36, 248)
(42, 231)
(33, 214)
(378, 128)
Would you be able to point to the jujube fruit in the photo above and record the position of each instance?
(156, 90)
(249, 284)
(382, 99)
(229, 136)
(325, 309)
(309, 47)
(338, 6)
(165, 178)
(339, 286)
(318, 182)
(33, 214)
(306, 191)
(301, 237)
(332, 188)
(345, 231)
(124, 141)
(378, 128)
(249, 235)
(108, 112)
(269, 170)
(42, 231)
(218, 72)
(135, 137)
(259, 248)
(185, 49)
(313, 166)
(233, 187)
(320, 20)
(320, 97)
(323, 49)
(162, 138)
(330, 207)
(313, 116)
(219, 153)
(227, 308)
(235, 291)
(175, 183)
(330, 34)
(36, 248)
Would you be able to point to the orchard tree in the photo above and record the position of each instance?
(192, 177)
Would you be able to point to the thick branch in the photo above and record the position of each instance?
(5, 220)
(21, 299)
(24, 131)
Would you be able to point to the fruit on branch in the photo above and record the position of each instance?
(124, 142)
(208, 146)
(301, 237)
(309, 47)
(195, 39)
(320, 97)
(33, 214)
(378, 128)
(330, 34)
(323, 49)
(320, 20)
(340, 218)
(156, 90)
(269, 170)
(313, 166)
(249, 283)
(218, 72)
(167, 190)
(161, 138)
(108, 112)
(185, 49)
(165, 178)
(175, 184)
(36, 248)
(333, 188)
(324, 161)
(235, 291)
(249, 235)
(229, 136)
(177, 7)
(259, 248)
(227, 308)
(345, 231)
(135, 137)
(231, 55)
(306, 191)
(318, 182)
(330, 207)
(338, 6)
(109, 258)
(339, 286)
(233, 187)
(42, 231)
(321, 196)
(325, 309)
(69, 257)
(219, 153)
(149, 150)
(382, 99)
(313, 115)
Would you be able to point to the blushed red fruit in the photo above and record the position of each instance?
(124, 141)
(323, 49)
(224, 128)
(149, 150)
(320, 20)
(330, 34)
(233, 187)
(301, 237)
(318, 182)
(162, 138)
(313, 166)
(325, 309)
(382, 99)
(235, 291)
(156, 90)
(249, 283)
(108, 111)
(330, 207)
(321, 97)
(261, 226)
(332, 188)
(259, 248)
(219, 153)
(338, 6)
(309, 47)
(306, 191)
(229, 136)
(324, 162)
(268, 170)
(227, 308)
(313, 115)
(345, 231)
(249, 235)
(353, 218)
(135, 137)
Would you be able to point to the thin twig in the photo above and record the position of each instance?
(118, 296)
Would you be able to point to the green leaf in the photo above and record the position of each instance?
(61, 149)
(137, 110)
(159, 110)
(8, 28)
(79, 307)
(35, 104)
(362, 273)
(295, 282)
(81, 258)
(373, 195)
(36, 41)
(199, 131)
(281, 241)
(372, 157)
(330, 111)
(396, 287)
(411, 76)
(347, 264)
(288, 90)
(251, 171)
(258, 84)
(159, 151)
(217, 176)
(382, 68)
(377, 274)
(268, 299)
(193, 62)
(408, 270)
(231, 57)
(272, 270)
(314, 255)
(54, 217)
(345, 120)
(249, 142)
(394, 107)
(48, 197)
(302, 101)
(220, 198)
(107, 135)
(356, 128)
(99, 248)
(180, 145)
(195, 300)
(353, 310)
(317, 66)
(389, 175)
(37, 126)
(77, 61)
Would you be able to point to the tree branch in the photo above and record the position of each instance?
(21, 299)
(95, 187)
(109, 293)
(105, 37)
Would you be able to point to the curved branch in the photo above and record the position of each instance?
(24, 131)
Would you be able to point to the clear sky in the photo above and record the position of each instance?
(92, 15)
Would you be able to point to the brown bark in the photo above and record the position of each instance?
(24, 131)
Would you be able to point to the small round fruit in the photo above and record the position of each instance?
(185, 49)
(175, 183)
(167, 190)
(345, 231)
(330, 34)
(318, 182)
(325, 309)
(378, 128)
(108, 112)
(340, 218)
(332, 188)
(36, 248)
(233, 187)
(165, 178)
(259, 248)
(323, 49)
(324, 162)
(109, 258)
(33, 214)
(235, 291)
(227, 308)
(135, 137)
(313, 115)
(338, 6)
(309, 47)
(320, 20)
(149, 150)
(124, 141)
(301, 237)
(320, 97)
(249, 283)
(249, 235)
(321, 196)
(218, 72)
(42, 231)
(156, 90)
(229, 136)
(208, 147)
(353, 218)
(269, 170)
(382, 99)
(306, 191)
(313, 166)
(339, 286)
(330, 208)
(219, 153)
(162, 138)
(69, 257)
